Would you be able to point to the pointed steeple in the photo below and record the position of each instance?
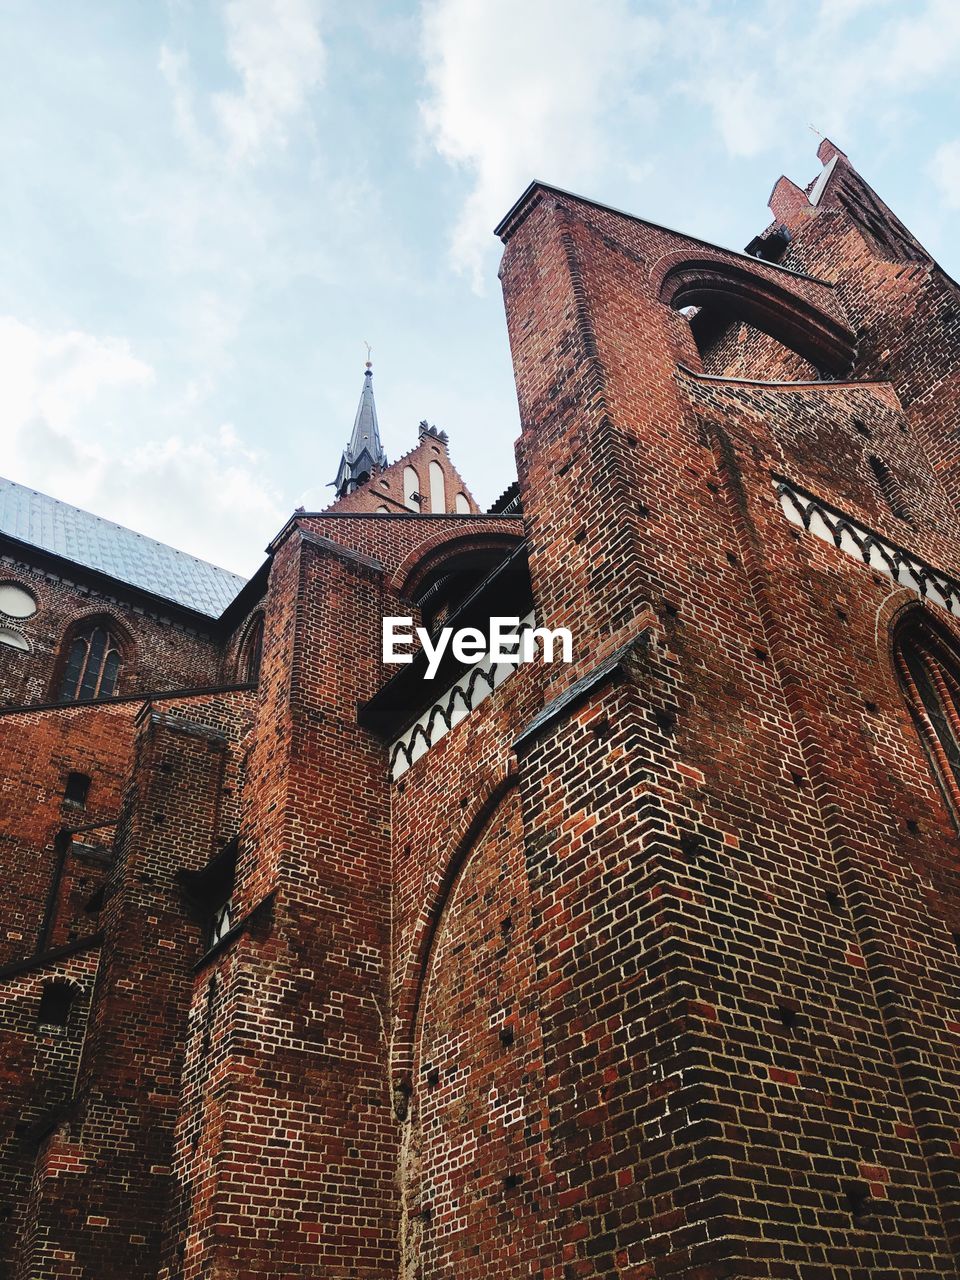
(364, 454)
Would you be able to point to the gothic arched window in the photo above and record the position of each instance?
(251, 651)
(411, 489)
(929, 669)
(92, 664)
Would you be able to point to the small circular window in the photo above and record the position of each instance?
(15, 602)
(13, 639)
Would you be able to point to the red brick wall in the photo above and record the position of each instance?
(161, 651)
(712, 811)
(39, 1066)
(475, 1173)
(286, 1147)
(102, 1179)
(38, 749)
(710, 894)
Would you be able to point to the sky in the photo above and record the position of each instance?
(209, 206)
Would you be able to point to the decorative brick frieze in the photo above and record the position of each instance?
(456, 702)
(820, 519)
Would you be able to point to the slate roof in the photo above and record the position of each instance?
(122, 554)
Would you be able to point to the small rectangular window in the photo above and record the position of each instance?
(55, 1003)
(77, 789)
(210, 892)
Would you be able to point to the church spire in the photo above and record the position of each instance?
(364, 454)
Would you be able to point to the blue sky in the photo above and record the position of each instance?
(209, 205)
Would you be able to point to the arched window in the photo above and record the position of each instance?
(438, 497)
(718, 296)
(251, 651)
(92, 665)
(411, 489)
(929, 669)
(14, 640)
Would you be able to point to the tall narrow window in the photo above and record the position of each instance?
(251, 652)
(92, 666)
(411, 489)
(929, 670)
(438, 497)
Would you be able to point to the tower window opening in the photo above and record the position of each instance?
(411, 489)
(77, 789)
(221, 921)
(55, 1002)
(438, 497)
(211, 893)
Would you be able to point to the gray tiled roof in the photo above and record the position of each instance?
(109, 548)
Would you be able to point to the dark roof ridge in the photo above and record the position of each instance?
(537, 184)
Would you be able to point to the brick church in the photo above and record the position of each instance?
(644, 965)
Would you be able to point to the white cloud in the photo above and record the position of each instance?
(747, 119)
(276, 48)
(81, 419)
(522, 91)
(945, 171)
(549, 88)
(53, 377)
(763, 79)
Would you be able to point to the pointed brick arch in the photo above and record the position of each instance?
(779, 310)
(927, 663)
(120, 637)
(425, 559)
(436, 895)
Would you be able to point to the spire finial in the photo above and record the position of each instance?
(364, 455)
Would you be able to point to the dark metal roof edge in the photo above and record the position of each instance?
(46, 958)
(248, 597)
(605, 671)
(197, 691)
(352, 556)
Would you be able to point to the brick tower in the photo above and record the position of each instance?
(644, 965)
